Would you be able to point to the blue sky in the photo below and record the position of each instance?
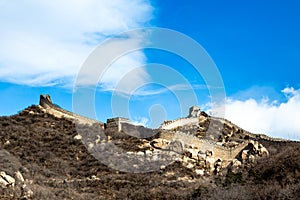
(254, 44)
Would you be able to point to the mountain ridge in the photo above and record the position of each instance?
(56, 163)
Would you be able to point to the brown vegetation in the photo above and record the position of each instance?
(57, 166)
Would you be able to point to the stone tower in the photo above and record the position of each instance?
(195, 111)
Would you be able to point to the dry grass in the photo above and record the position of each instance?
(60, 167)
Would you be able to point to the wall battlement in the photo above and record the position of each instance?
(168, 125)
(48, 107)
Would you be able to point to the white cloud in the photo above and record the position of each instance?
(140, 121)
(268, 117)
(45, 42)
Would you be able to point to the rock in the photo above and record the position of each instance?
(90, 146)
(253, 146)
(78, 137)
(201, 156)
(199, 172)
(209, 164)
(140, 153)
(188, 154)
(263, 151)
(98, 140)
(19, 177)
(159, 143)
(94, 177)
(209, 153)
(3, 182)
(177, 146)
(162, 167)
(251, 159)
(235, 166)
(245, 155)
(26, 193)
(256, 146)
(7, 180)
(218, 167)
(148, 152)
(7, 142)
(190, 166)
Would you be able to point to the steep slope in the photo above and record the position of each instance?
(56, 165)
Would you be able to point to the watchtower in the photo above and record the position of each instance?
(195, 111)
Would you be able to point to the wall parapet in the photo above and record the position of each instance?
(46, 103)
(171, 124)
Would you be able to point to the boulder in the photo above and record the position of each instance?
(245, 155)
(262, 151)
(199, 172)
(7, 180)
(235, 166)
(159, 143)
(177, 146)
(218, 167)
(77, 137)
(251, 158)
(3, 182)
(19, 177)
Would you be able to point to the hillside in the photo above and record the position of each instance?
(45, 149)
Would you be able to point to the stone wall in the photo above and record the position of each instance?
(168, 125)
(47, 106)
(225, 153)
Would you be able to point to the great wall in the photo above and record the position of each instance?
(173, 124)
(169, 127)
(47, 106)
(223, 152)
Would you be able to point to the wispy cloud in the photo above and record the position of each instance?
(277, 119)
(45, 42)
(141, 121)
(149, 90)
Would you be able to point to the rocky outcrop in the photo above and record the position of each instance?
(253, 151)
